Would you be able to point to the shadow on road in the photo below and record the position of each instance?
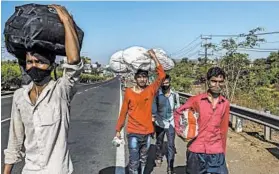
(111, 170)
(150, 163)
(152, 156)
(151, 159)
(274, 151)
(180, 169)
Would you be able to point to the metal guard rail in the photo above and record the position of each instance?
(262, 118)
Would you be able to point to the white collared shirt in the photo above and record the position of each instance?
(43, 127)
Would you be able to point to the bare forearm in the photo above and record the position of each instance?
(8, 168)
(71, 43)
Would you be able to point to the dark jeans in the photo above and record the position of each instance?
(201, 163)
(160, 133)
(138, 147)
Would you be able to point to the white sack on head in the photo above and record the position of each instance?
(116, 62)
(117, 57)
(137, 57)
(163, 58)
(135, 54)
(118, 67)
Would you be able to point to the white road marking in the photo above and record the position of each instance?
(99, 85)
(7, 119)
(120, 151)
(7, 96)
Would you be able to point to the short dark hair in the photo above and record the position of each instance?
(141, 71)
(215, 72)
(167, 77)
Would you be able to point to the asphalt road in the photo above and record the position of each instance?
(6, 100)
(94, 111)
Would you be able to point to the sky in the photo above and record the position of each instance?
(114, 26)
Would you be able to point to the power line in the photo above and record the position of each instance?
(264, 49)
(242, 35)
(189, 50)
(274, 32)
(218, 54)
(190, 56)
(270, 42)
(256, 50)
(219, 44)
(187, 45)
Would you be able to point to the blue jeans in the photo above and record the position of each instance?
(201, 163)
(160, 133)
(138, 147)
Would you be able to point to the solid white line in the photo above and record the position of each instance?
(120, 151)
(7, 96)
(7, 119)
(99, 86)
(122, 133)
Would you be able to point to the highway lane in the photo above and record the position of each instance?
(94, 111)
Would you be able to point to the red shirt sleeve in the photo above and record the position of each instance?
(123, 112)
(225, 126)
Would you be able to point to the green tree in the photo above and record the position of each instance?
(236, 64)
(182, 77)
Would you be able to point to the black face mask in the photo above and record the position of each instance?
(215, 92)
(39, 76)
(214, 95)
(165, 88)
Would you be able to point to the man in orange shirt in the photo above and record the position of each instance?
(137, 105)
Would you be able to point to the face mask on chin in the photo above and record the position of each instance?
(214, 91)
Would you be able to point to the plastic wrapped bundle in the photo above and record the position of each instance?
(138, 58)
(36, 26)
(117, 64)
(163, 58)
(186, 125)
(134, 58)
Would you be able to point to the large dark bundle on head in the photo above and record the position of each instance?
(35, 26)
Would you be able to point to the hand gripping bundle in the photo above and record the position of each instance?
(186, 124)
(35, 26)
(118, 141)
(134, 58)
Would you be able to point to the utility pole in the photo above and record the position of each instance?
(205, 45)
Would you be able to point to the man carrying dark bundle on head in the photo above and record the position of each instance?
(40, 110)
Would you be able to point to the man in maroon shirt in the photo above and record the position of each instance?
(206, 153)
